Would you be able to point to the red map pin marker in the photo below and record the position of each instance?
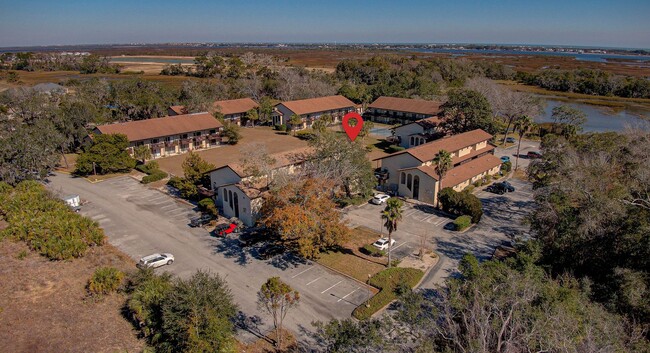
(352, 131)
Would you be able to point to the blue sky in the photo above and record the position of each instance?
(622, 23)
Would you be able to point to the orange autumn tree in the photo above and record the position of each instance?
(304, 217)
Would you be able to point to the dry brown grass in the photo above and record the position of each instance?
(44, 306)
(220, 156)
(350, 261)
(266, 345)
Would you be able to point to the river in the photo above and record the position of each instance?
(601, 119)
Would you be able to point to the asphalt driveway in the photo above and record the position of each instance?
(140, 221)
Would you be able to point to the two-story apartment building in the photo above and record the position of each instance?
(311, 109)
(239, 194)
(233, 110)
(418, 132)
(413, 175)
(393, 110)
(169, 135)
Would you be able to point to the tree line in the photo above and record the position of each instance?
(586, 81)
(85, 64)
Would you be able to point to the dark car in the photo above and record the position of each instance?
(501, 188)
(221, 230)
(200, 221)
(508, 186)
(534, 154)
(270, 250)
(510, 140)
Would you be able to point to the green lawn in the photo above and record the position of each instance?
(387, 280)
(350, 264)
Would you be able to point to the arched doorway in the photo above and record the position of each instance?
(416, 187)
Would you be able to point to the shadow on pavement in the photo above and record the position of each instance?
(231, 248)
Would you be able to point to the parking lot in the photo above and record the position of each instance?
(141, 221)
(502, 221)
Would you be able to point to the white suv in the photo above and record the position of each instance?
(156, 260)
(382, 243)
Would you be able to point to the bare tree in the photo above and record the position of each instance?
(257, 162)
(505, 102)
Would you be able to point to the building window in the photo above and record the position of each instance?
(198, 133)
(230, 198)
(184, 136)
(409, 180)
(168, 139)
(213, 131)
(154, 141)
(225, 195)
(403, 178)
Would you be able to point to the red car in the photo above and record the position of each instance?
(224, 229)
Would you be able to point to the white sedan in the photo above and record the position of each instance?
(156, 260)
(382, 243)
(379, 199)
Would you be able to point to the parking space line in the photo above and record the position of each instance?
(441, 221)
(347, 295)
(336, 284)
(395, 248)
(170, 205)
(301, 272)
(314, 280)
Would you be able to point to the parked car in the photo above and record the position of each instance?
(379, 199)
(382, 243)
(505, 159)
(270, 250)
(74, 202)
(534, 154)
(155, 260)
(224, 229)
(508, 186)
(510, 140)
(501, 188)
(497, 188)
(200, 221)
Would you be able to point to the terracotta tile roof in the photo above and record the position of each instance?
(418, 106)
(282, 159)
(470, 169)
(159, 127)
(315, 105)
(178, 109)
(429, 123)
(462, 172)
(455, 160)
(452, 143)
(235, 106)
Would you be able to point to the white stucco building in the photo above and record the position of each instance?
(412, 173)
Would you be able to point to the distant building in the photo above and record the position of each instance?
(311, 109)
(392, 110)
(176, 110)
(169, 135)
(238, 194)
(233, 110)
(418, 132)
(412, 173)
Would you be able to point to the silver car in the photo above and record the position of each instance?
(156, 260)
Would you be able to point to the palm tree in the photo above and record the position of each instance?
(522, 125)
(443, 164)
(391, 215)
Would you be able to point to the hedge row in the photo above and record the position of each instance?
(153, 171)
(45, 223)
(387, 281)
(462, 222)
